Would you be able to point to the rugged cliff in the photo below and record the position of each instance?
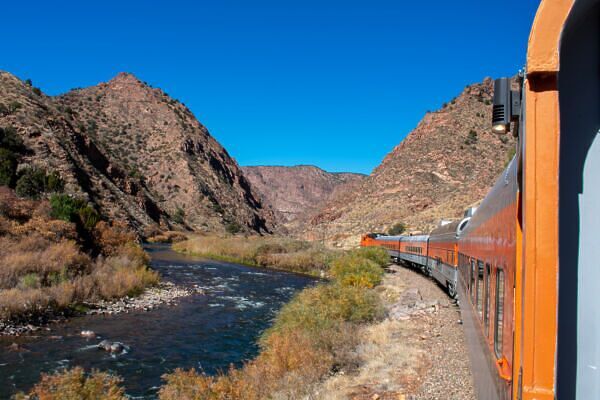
(297, 192)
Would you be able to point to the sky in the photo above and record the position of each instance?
(330, 83)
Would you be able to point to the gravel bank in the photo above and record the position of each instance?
(448, 373)
(417, 352)
(164, 293)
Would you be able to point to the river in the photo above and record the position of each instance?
(206, 331)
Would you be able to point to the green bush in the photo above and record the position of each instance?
(179, 216)
(397, 229)
(29, 281)
(233, 228)
(319, 307)
(377, 254)
(65, 207)
(14, 106)
(8, 167)
(88, 216)
(31, 183)
(10, 139)
(354, 270)
(53, 183)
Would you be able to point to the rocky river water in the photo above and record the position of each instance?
(216, 326)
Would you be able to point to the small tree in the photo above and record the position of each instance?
(8, 167)
(397, 229)
(179, 216)
(233, 228)
(31, 183)
(14, 106)
(10, 139)
(53, 183)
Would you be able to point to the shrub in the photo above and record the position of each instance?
(471, 138)
(8, 167)
(397, 229)
(354, 270)
(88, 217)
(376, 254)
(53, 183)
(31, 183)
(30, 281)
(179, 216)
(13, 106)
(37, 91)
(111, 237)
(66, 207)
(233, 228)
(323, 306)
(75, 384)
(10, 139)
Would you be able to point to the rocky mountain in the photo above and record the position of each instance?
(135, 153)
(448, 162)
(297, 192)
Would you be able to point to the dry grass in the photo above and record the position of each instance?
(274, 252)
(74, 384)
(44, 270)
(167, 237)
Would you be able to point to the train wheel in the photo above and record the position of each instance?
(452, 290)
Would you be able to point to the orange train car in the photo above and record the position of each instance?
(527, 260)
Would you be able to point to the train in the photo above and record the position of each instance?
(524, 265)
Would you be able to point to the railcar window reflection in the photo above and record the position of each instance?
(480, 289)
(499, 312)
(486, 310)
(473, 280)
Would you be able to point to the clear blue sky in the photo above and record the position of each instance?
(332, 83)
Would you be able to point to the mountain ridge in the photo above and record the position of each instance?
(136, 154)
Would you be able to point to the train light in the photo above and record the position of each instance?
(507, 106)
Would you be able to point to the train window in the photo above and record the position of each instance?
(472, 285)
(480, 289)
(486, 310)
(499, 312)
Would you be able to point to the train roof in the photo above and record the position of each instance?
(446, 228)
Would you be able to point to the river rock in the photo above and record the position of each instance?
(116, 347)
(104, 345)
(88, 334)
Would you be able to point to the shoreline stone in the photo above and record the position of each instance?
(165, 293)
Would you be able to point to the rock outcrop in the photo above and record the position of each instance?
(295, 193)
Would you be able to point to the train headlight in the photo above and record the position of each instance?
(506, 106)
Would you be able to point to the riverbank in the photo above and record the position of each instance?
(210, 331)
(164, 293)
(272, 252)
